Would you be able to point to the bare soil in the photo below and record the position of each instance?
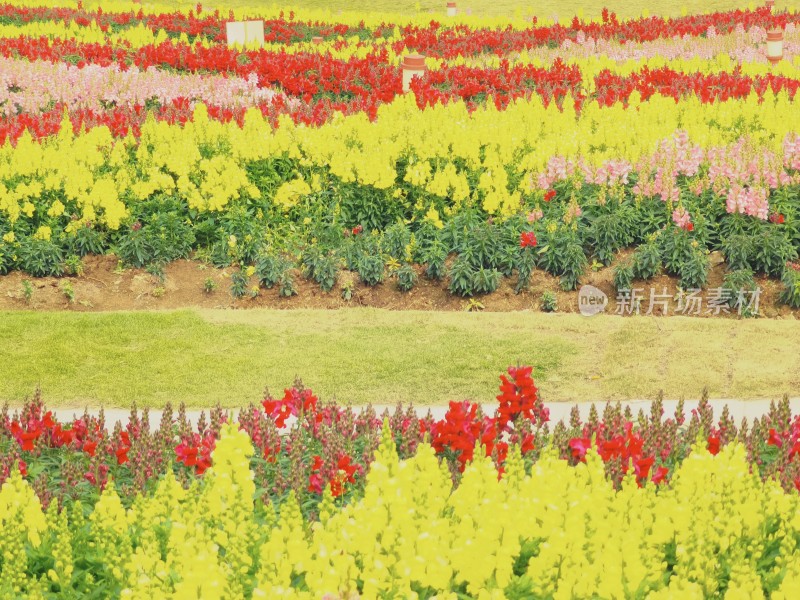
(105, 287)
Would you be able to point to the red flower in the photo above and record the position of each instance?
(357, 229)
(196, 452)
(660, 475)
(23, 468)
(90, 447)
(519, 398)
(345, 473)
(317, 464)
(278, 410)
(689, 227)
(777, 218)
(28, 438)
(579, 447)
(713, 444)
(527, 444)
(527, 239)
(122, 455)
(549, 195)
(774, 439)
(641, 466)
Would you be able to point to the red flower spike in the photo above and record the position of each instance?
(660, 475)
(527, 239)
(579, 447)
(90, 447)
(774, 439)
(713, 444)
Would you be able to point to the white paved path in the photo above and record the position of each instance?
(558, 410)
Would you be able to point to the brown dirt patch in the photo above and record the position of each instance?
(104, 287)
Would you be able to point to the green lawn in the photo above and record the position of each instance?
(360, 355)
(542, 8)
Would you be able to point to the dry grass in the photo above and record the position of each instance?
(361, 355)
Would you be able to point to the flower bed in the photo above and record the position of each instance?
(515, 150)
(304, 445)
(304, 499)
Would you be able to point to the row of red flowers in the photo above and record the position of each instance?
(435, 39)
(474, 86)
(194, 23)
(306, 446)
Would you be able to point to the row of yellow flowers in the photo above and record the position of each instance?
(518, 19)
(557, 532)
(204, 161)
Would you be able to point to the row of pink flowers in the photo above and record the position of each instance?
(742, 172)
(31, 86)
(743, 46)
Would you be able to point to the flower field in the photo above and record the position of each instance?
(642, 144)
(407, 153)
(301, 498)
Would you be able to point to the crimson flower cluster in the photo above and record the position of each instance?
(527, 239)
(195, 451)
(625, 449)
(306, 446)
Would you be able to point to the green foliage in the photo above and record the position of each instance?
(434, 257)
(406, 277)
(270, 268)
(286, 285)
(40, 258)
(73, 265)
(676, 249)
(646, 261)
(321, 267)
(573, 266)
(525, 264)
(738, 250)
(462, 277)
(693, 271)
(772, 249)
(239, 281)
(738, 285)
(371, 269)
(86, 240)
(27, 290)
(6, 258)
(347, 291)
(485, 281)
(165, 238)
(209, 285)
(608, 233)
(68, 291)
(623, 276)
(549, 302)
(791, 286)
(562, 254)
(395, 240)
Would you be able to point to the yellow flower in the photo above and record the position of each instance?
(43, 233)
(9, 237)
(433, 216)
(56, 209)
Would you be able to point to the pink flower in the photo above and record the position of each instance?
(535, 215)
(682, 219)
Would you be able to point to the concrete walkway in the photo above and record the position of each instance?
(739, 409)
